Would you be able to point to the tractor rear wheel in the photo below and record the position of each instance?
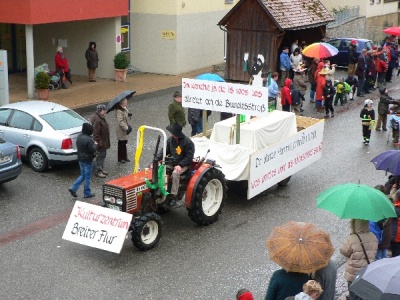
(147, 231)
(208, 198)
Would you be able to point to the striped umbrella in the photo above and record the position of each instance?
(320, 50)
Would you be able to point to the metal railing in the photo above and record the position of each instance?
(345, 15)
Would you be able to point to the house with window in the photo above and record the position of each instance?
(361, 18)
(166, 37)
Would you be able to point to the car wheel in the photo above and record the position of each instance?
(37, 160)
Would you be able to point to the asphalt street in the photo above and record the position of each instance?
(190, 262)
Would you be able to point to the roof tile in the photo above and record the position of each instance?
(296, 14)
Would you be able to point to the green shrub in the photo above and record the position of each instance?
(121, 61)
(42, 81)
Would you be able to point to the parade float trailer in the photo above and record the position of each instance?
(265, 148)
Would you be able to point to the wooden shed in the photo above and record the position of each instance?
(265, 27)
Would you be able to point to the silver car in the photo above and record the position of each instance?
(10, 161)
(46, 132)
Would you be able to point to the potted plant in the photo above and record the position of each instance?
(121, 62)
(42, 81)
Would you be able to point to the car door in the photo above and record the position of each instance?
(335, 59)
(4, 118)
(19, 129)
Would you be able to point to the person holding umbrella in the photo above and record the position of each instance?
(284, 284)
(300, 249)
(123, 130)
(359, 248)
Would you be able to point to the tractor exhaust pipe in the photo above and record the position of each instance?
(154, 178)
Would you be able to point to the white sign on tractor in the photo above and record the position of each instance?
(97, 227)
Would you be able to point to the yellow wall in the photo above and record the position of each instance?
(178, 7)
(381, 9)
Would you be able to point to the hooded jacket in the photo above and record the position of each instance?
(352, 54)
(286, 96)
(181, 149)
(297, 96)
(383, 105)
(92, 57)
(85, 144)
(329, 90)
(353, 251)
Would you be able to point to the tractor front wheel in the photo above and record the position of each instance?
(147, 231)
(208, 197)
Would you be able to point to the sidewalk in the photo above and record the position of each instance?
(84, 93)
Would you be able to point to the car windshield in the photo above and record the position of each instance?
(64, 119)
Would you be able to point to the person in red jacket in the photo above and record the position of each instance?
(321, 80)
(62, 67)
(381, 66)
(286, 100)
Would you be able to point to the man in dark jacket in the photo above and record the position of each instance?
(383, 109)
(181, 149)
(101, 134)
(352, 57)
(360, 72)
(176, 113)
(195, 119)
(297, 97)
(86, 152)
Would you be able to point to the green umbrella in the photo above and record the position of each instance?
(356, 201)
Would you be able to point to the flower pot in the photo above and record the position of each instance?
(43, 94)
(120, 74)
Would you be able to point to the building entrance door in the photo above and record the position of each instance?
(12, 39)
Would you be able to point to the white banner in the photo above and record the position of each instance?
(273, 164)
(225, 97)
(97, 227)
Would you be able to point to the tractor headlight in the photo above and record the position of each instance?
(119, 201)
(109, 199)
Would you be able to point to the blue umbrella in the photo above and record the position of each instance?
(210, 77)
(388, 161)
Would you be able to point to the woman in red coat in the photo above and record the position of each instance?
(286, 100)
(321, 79)
(62, 67)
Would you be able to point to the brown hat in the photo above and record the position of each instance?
(177, 94)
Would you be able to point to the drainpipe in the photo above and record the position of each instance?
(30, 69)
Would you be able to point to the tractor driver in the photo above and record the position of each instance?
(181, 149)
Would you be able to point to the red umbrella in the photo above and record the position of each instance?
(320, 50)
(392, 30)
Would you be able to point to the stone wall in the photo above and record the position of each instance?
(354, 28)
(367, 28)
(376, 24)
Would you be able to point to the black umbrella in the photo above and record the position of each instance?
(113, 103)
(379, 280)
